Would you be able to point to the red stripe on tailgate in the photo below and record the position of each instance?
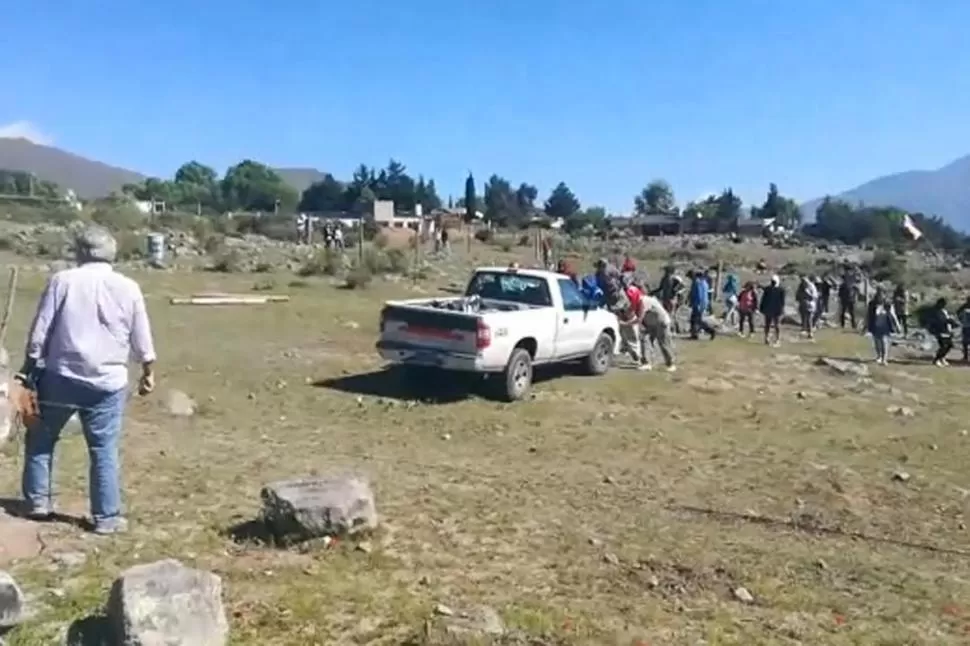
(436, 333)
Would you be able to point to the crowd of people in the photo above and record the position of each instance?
(649, 316)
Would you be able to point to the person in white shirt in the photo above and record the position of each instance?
(89, 321)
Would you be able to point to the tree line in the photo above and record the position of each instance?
(255, 187)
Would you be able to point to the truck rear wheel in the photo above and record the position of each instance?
(598, 361)
(517, 376)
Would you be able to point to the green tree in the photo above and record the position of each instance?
(525, 199)
(728, 206)
(590, 217)
(470, 200)
(562, 203)
(426, 194)
(196, 184)
(657, 197)
(501, 204)
(783, 210)
(252, 186)
(324, 195)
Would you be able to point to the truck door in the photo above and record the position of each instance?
(571, 329)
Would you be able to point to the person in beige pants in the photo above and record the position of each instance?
(656, 331)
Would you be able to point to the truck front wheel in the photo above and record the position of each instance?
(518, 375)
(598, 361)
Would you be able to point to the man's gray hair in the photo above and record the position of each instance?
(95, 244)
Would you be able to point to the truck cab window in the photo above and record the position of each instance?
(572, 298)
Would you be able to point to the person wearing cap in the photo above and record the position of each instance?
(772, 306)
(90, 319)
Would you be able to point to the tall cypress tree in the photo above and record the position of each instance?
(470, 199)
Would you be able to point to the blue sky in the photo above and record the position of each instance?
(816, 96)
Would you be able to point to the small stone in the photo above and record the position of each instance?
(901, 411)
(595, 542)
(365, 547)
(315, 507)
(964, 433)
(742, 595)
(901, 476)
(443, 610)
(251, 396)
(962, 526)
(446, 436)
(480, 620)
(820, 564)
(611, 558)
(609, 480)
(167, 603)
(70, 559)
(12, 604)
(424, 580)
(934, 447)
(180, 404)
(653, 582)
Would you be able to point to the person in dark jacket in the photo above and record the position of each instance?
(772, 306)
(940, 324)
(848, 293)
(901, 306)
(963, 315)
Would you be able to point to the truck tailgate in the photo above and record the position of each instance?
(429, 329)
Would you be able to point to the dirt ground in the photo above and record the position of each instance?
(753, 497)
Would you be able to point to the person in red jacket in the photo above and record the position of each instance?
(747, 306)
(631, 320)
(629, 266)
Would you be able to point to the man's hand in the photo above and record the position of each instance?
(25, 404)
(146, 383)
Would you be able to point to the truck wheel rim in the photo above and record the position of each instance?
(520, 376)
(602, 353)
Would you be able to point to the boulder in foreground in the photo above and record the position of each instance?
(167, 604)
(315, 507)
(11, 601)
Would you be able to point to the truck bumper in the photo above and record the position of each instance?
(407, 354)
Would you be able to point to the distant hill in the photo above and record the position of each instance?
(86, 177)
(89, 178)
(300, 178)
(944, 192)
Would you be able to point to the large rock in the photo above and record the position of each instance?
(11, 601)
(167, 604)
(315, 507)
(844, 368)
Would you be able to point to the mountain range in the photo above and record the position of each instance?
(944, 192)
(89, 178)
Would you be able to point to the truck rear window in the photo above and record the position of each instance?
(496, 286)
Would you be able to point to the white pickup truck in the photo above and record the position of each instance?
(508, 321)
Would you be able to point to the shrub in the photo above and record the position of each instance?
(887, 265)
(397, 261)
(228, 262)
(484, 235)
(131, 246)
(359, 277)
(118, 218)
(323, 263)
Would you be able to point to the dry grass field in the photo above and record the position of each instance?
(627, 509)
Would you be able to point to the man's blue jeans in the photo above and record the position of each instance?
(101, 413)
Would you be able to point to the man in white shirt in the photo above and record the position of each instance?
(89, 321)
